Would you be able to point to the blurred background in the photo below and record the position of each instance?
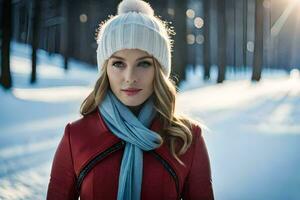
(235, 62)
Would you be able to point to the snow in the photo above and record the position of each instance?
(252, 130)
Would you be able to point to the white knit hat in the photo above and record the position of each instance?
(135, 27)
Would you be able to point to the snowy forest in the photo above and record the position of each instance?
(235, 63)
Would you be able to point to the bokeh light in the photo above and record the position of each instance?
(199, 39)
(83, 18)
(190, 13)
(250, 46)
(198, 22)
(190, 38)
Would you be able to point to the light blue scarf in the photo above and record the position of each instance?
(134, 131)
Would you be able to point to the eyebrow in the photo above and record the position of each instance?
(141, 58)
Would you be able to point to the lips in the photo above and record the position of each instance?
(131, 91)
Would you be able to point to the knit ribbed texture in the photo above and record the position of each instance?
(135, 30)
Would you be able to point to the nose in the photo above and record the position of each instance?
(130, 75)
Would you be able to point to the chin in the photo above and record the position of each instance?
(130, 103)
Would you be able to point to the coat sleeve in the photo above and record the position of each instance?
(198, 184)
(62, 178)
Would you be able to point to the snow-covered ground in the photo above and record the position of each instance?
(252, 129)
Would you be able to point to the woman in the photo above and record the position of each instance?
(130, 144)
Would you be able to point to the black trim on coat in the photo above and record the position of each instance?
(92, 163)
(169, 168)
(88, 167)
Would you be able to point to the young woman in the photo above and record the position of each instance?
(130, 143)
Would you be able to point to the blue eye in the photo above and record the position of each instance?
(118, 64)
(145, 64)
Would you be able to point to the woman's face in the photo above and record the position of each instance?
(131, 73)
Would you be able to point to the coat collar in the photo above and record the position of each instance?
(155, 126)
(98, 138)
(112, 139)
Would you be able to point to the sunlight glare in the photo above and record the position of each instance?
(295, 74)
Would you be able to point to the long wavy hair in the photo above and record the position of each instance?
(176, 129)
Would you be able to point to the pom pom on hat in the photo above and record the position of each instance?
(135, 6)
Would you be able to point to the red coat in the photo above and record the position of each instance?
(88, 160)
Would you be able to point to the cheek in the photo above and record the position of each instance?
(149, 79)
(146, 81)
(112, 78)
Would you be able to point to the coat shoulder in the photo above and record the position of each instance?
(89, 136)
(86, 121)
(195, 127)
(89, 128)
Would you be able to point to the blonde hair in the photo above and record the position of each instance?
(176, 128)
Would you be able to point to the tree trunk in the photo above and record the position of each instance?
(180, 45)
(258, 44)
(206, 44)
(245, 39)
(234, 35)
(35, 37)
(64, 33)
(6, 79)
(222, 37)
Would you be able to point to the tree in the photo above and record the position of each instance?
(206, 44)
(6, 79)
(258, 43)
(221, 41)
(65, 27)
(35, 38)
(245, 39)
(180, 44)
